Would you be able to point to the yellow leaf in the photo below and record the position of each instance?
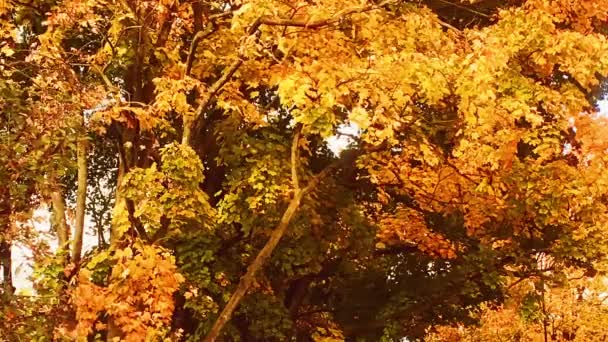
(360, 117)
(7, 51)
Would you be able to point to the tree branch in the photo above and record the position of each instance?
(135, 222)
(295, 157)
(200, 35)
(213, 90)
(270, 21)
(265, 253)
(481, 14)
(207, 99)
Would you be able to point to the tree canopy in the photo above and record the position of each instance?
(197, 141)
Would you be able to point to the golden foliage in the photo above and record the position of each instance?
(138, 298)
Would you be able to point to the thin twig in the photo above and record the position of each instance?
(481, 14)
(214, 89)
(448, 26)
(200, 35)
(311, 24)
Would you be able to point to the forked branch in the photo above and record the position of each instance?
(191, 124)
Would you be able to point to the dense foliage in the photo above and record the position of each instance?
(194, 139)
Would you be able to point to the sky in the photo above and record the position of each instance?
(604, 106)
(21, 255)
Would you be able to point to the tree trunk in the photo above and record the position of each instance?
(81, 198)
(5, 241)
(59, 221)
(113, 331)
(6, 263)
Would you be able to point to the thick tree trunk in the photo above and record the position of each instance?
(113, 331)
(5, 241)
(59, 220)
(81, 198)
(6, 263)
(118, 197)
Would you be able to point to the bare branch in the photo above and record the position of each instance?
(208, 97)
(481, 14)
(200, 35)
(214, 89)
(270, 21)
(448, 26)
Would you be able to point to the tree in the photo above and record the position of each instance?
(570, 308)
(478, 147)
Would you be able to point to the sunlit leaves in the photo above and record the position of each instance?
(170, 193)
(257, 181)
(171, 96)
(120, 218)
(572, 308)
(408, 226)
(582, 15)
(475, 147)
(139, 296)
